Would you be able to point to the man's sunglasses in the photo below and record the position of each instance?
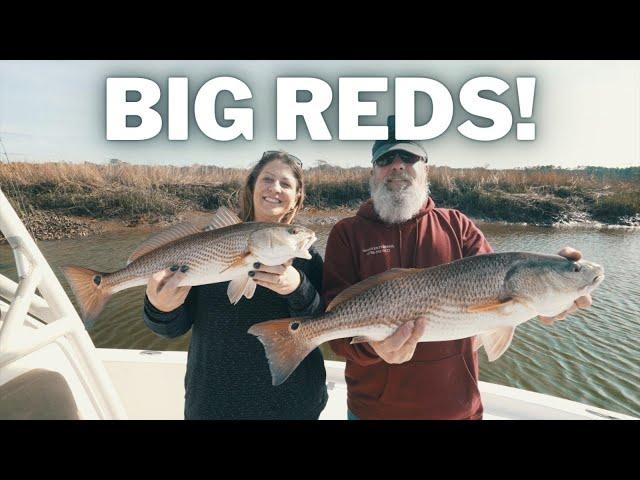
(389, 157)
(280, 152)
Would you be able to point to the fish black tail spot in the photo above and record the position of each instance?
(284, 347)
(184, 268)
(89, 290)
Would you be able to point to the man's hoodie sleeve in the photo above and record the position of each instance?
(340, 272)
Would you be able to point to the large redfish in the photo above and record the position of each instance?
(485, 295)
(225, 250)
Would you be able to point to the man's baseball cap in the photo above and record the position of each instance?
(380, 147)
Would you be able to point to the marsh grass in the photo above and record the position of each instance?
(124, 191)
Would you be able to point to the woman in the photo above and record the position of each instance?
(228, 375)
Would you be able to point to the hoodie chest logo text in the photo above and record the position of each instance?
(378, 249)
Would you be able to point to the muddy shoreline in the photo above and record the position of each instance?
(54, 226)
(58, 200)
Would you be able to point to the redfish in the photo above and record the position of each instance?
(485, 295)
(225, 250)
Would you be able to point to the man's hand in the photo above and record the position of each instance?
(581, 302)
(163, 290)
(400, 346)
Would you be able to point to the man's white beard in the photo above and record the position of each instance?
(398, 206)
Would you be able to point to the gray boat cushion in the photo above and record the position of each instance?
(38, 394)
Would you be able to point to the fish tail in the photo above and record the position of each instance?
(90, 290)
(284, 346)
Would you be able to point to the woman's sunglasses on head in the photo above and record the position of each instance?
(389, 157)
(292, 157)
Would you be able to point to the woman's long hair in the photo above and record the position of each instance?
(247, 211)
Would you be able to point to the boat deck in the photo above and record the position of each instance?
(150, 385)
(139, 375)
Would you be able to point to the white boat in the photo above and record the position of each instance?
(50, 368)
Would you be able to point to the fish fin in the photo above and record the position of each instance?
(222, 218)
(368, 283)
(89, 290)
(491, 305)
(238, 262)
(477, 343)
(165, 237)
(360, 339)
(239, 287)
(305, 255)
(250, 289)
(283, 347)
(497, 341)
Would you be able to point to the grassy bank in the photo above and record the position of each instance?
(147, 194)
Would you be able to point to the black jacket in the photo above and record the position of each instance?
(228, 375)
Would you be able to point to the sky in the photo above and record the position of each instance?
(586, 112)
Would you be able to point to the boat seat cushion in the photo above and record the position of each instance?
(37, 395)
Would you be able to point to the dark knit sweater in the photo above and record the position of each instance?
(228, 375)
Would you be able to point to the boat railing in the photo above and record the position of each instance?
(55, 310)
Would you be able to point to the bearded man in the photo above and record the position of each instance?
(400, 226)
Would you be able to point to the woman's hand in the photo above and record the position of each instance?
(283, 279)
(163, 290)
(581, 302)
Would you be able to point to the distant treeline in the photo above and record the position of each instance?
(542, 195)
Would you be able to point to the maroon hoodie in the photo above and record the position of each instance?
(441, 380)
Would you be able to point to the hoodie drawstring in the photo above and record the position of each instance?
(416, 246)
(400, 246)
(415, 250)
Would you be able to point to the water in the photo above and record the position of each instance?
(592, 357)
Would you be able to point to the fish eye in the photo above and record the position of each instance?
(294, 231)
(577, 267)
